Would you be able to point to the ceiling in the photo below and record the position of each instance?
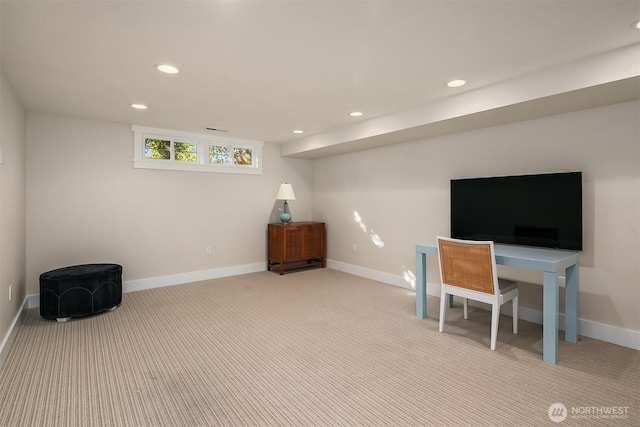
(260, 69)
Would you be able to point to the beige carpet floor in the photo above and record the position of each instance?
(310, 348)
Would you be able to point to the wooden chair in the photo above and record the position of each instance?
(468, 270)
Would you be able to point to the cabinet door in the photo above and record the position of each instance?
(314, 240)
(294, 242)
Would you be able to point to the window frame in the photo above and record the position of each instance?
(140, 161)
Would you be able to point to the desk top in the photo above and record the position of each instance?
(523, 256)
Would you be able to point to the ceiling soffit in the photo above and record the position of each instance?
(601, 80)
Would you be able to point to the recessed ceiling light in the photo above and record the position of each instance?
(456, 83)
(355, 114)
(636, 25)
(139, 106)
(169, 69)
(298, 131)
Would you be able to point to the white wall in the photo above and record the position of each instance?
(12, 205)
(401, 194)
(86, 203)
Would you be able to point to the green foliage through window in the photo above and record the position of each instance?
(186, 151)
(157, 149)
(176, 150)
(219, 155)
(242, 156)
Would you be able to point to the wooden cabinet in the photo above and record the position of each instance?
(296, 245)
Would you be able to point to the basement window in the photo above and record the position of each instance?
(176, 150)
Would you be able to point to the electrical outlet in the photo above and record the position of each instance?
(10, 292)
(354, 248)
(208, 250)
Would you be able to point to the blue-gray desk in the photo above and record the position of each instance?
(551, 262)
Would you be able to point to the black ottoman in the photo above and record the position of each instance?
(80, 290)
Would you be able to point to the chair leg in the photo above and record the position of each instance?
(515, 314)
(443, 308)
(466, 308)
(495, 318)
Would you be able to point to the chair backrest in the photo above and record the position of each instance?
(468, 264)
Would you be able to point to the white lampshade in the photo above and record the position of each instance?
(285, 192)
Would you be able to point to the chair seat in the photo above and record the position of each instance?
(506, 285)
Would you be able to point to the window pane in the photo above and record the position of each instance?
(242, 156)
(219, 155)
(157, 149)
(186, 151)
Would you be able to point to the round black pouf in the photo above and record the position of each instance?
(80, 290)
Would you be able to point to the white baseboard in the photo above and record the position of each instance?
(600, 331)
(390, 279)
(11, 334)
(195, 276)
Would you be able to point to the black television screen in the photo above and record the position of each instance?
(532, 210)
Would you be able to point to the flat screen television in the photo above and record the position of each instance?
(542, 210)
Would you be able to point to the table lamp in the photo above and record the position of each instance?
(285, 193)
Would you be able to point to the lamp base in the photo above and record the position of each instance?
(285, 217)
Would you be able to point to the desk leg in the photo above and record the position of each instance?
(550, 318)
(421, 285)
(571, 305)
